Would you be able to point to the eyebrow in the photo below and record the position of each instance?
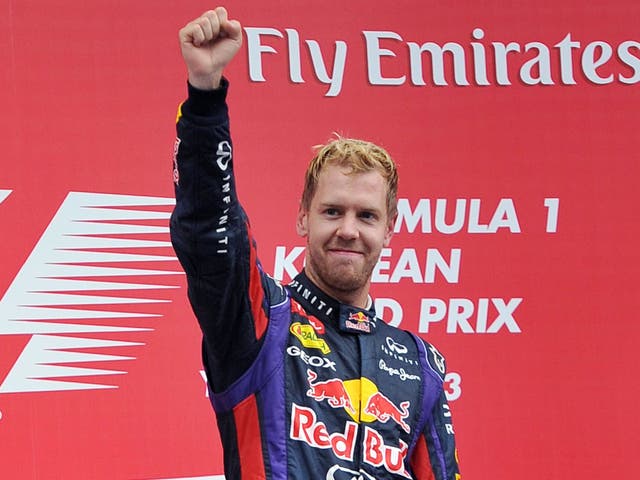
(341, 206)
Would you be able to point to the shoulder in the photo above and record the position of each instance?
(275, 293)
(434, 359)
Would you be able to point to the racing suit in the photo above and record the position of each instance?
(303, 387)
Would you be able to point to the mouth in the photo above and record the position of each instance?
(345, 252)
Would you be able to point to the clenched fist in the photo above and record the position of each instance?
(208, 44)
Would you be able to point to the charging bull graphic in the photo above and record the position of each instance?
(378, 406)
(384, 409)
(332, 390)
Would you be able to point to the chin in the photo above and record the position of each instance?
(345, 283)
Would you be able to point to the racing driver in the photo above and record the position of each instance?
(305, 381)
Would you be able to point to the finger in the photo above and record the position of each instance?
(192, 34)
(198, 37)
(222, 14)
(210, 18)
(207, 28)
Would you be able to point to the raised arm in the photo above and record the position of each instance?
(210, 232)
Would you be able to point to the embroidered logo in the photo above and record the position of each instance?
(308, 337)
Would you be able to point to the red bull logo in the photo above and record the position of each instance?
(352, 394)
(306, 428)
(358, 321)
(332, 390)
(358, 317)
(384, 410)
(378, 454)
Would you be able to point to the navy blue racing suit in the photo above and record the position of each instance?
(303, 387)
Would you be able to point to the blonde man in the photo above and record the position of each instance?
(305, 381)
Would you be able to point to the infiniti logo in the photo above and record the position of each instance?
(397, 351)
(223, 155)
(396, 347)
(340, 473)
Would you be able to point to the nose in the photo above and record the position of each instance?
(348, 227)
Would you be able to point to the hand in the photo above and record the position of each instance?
(208, 44)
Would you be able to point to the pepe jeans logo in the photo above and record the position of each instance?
(397, 372)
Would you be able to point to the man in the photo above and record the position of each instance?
(306, 383)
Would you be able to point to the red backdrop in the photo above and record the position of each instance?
(514, 252)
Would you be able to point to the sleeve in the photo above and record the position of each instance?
(228, 291)
(435, 456)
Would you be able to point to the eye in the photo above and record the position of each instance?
(331, 212)
(366, 215)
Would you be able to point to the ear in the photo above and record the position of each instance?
(302, 222)
(389, 230)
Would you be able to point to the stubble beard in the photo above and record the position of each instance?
(344, 278)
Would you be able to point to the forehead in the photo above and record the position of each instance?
(339, 185)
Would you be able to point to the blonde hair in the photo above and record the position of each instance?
(358, 155)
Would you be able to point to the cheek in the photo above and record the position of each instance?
(318, 229)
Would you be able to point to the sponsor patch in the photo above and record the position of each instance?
(397, 350)
(332, 390)
(316, 324)
(352, 394)
(436, 360)
(337, 472)
(312, 360)
(401, 373)
(306, 428)
(355, 320)
(308, 337)
(176, 174)
(384, 410)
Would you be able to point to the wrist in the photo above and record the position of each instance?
(205, 82)
(205, 102)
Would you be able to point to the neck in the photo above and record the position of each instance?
(346, 317)
(357, 298)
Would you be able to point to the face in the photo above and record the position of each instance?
(346, 227)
